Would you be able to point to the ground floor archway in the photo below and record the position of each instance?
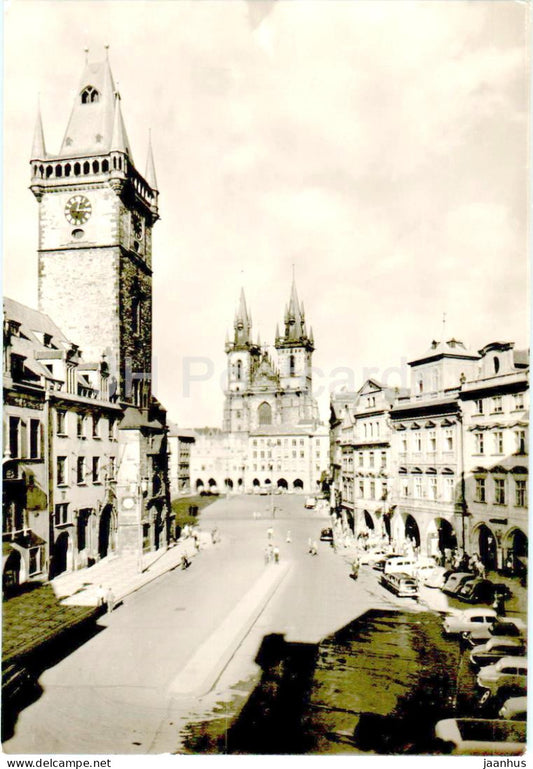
(282, 484)
(60, 553)
(211, 483)
(298, 484)
(369, 521)
(105, 531)
(228, 483)
(516, 553)
(487, 547)
(11, 575)
(199, 484)
(255, 482)
(441, 538)
(412, 532)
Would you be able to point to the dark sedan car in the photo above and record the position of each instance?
(482, 591)
(326, 535)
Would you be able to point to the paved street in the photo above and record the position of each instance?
(195, 659)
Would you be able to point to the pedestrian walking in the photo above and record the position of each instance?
(100, 596)
(355, 569)
(267, 555)
(110, 600)
(270, 532)
(214, 536)
(314, 548)
(289, 538)
(276, 555)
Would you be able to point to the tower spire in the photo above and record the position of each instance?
(119, 139)
(150, 165)
(38, 151)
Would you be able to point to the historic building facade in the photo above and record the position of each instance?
(271, 434)
(95, 214)
(455, 452)
(180, 441)
(495, 405)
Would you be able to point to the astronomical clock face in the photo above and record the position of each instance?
(78, 210)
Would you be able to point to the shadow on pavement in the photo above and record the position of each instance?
(20, 685)
(377, 685)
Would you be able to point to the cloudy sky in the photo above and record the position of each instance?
(380, 147)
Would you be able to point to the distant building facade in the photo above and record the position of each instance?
(271, 434)
(180, 442)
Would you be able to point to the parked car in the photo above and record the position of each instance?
(482, 591)
(463, 621)
(495, 648)
(374, 554)
(510, 627)
(482, 736)
(436, 577)
(425, 565)
(400, 563)
(310, 503)
(326, 535)
(379, 565)
(515, 708)
(505, 678)
(455, 581)
(401, 584)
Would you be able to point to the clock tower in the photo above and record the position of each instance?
(96, 214)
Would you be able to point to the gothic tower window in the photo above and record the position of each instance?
(136, 315)
(265, 414)
(239, 369)
(291, 365)
(89, 95)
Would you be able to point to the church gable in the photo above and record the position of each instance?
(265, 376)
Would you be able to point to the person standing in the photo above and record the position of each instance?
(276, 554)
(110, 600)
(100, 596)
(270, 532)
(289, 538)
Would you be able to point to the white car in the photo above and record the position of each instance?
(506, 677)
(495, 648)
(515, 708)
(482, 736)
(468, 620)
(435, 577)
(310, 503)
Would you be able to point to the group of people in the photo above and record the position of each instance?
(105, 598)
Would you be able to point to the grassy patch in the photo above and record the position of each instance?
(180, 508)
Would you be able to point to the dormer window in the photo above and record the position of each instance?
(89, 95)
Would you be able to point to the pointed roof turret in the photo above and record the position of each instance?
(91, 126)
(150, 166)
(294, 321)
(119, 137)
(38, 150)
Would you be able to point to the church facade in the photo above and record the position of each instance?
(271, 436)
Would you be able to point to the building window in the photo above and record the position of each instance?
(498, 442)
(418, 487)
(521, 493)
(372, 489)
(80, 470)
(96, 426)
(449, 484)
(480, 443)
(35, 439)
(499, 491)
(405, 488)
(384, 490)
(480, 490)
(520, 441)
(404, 445)
(61, 428)
(61, 471)
(14, 437)
(371, 459)
(264, 412)
(383, 459)
(497, 404)
(96, 469)
(433, 488)
(361, 489)
(89, 95)
(479, 406)
(418, 442)
(448, 439)
(239, 369)
(62, 513)
(81, 426)
(291, 365)
(519, 401)
(496, 362)
(111, 468)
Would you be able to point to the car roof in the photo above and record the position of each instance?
(503, 641)
(477, 612)
(513, 661)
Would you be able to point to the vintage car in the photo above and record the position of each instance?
(482, 736)
(496, 648)
(505, 678)
(469, 619)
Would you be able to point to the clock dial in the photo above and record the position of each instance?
(78, 209)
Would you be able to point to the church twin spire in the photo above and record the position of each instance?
(295, 333)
